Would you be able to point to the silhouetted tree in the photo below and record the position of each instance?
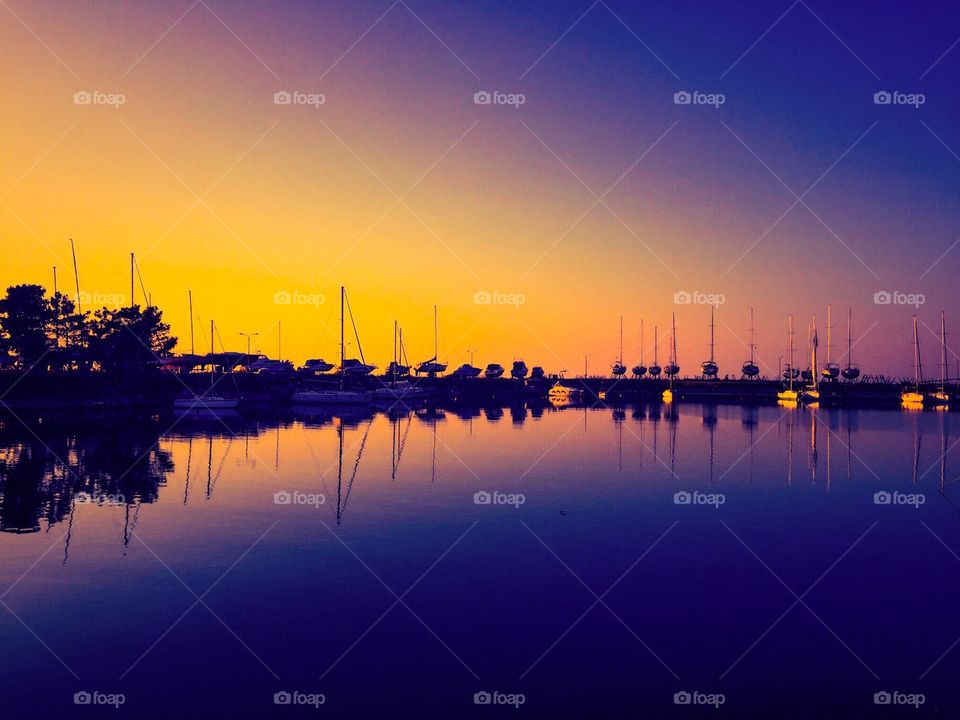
(25, 317)
(69, 334)
(129, 338)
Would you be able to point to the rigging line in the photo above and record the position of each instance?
(143, 287)
(355, 333)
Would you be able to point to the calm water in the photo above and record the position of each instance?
(587, 585)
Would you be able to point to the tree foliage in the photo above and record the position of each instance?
(48, 333)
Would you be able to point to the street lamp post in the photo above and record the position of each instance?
(248, 336)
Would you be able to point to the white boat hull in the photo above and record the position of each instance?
(329, 397)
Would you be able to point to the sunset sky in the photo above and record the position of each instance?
(598, 196)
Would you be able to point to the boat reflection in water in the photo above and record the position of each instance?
(335, 494)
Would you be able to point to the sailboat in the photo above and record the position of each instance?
(655, 369)
(831, 370)
(351, 366)
(749, 368)
(914, 397)
(672, 368)
(811, 393)
(941, 396)
(209, 401)
(432, 367)
(619, 369)
(851, 371)
(789, 395)
(709, 368)
(398, 367)
(398, 387)
(339, 396)
(640, 370)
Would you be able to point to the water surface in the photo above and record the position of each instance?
(627, 554)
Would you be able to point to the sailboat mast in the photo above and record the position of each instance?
(829, 329)
(190, 303)
(132, 298)
(790, 343)
(711, 334)
(436, 335)
(620, 355)
(674, 324)
(341, 336)
(849, 335)
(656, 347)
(814, 378)
(641, 341)
(943, 350)
(752, 337)
(76, 274)
(918, 372)
(673, 332)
